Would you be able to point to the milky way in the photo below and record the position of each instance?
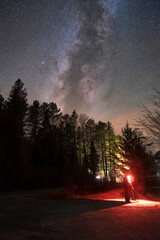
(98, 57)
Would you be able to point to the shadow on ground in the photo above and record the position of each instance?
(89, 205)
(17, 213)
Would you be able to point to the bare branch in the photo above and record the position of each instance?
(150, 121)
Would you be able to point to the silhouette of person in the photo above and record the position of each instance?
(127, 187)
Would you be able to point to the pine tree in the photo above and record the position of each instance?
(73, 140)
(134, 150)
(45, 116)
(83, 118)
(17, 107)
(110, 152)
(2, 111)
(50, 115)
(34, 120)
(2, 138)
(101, 134)
(15, 125)
(55, 114)
(93, 159)
(90, 129)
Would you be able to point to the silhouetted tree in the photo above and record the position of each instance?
(150, 122)
(93, 159)
(73, 139)
(46, 117)
(134, 150)
(110, 152)
(90, 129)
(101, 135)
(15, 126)
(55, 114)
(41, 147)
(2, 109)
(69, 128)
(17, 107)
(34, 120)
(83, 118)
(2, 139)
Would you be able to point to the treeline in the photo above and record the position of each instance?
(41, 147)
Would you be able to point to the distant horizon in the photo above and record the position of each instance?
(117, 122)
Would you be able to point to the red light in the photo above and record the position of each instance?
(129, 178)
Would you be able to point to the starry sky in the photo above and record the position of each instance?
(100, 57)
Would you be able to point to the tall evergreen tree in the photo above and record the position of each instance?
(46, 117)
(93, 159)
(2, 138)
(110, 152)
(134, 151)
(73, 127)
(83, 118)
(34, 120)
(55, 114)
(48, 134)
(101, 135)
(69, 127)
(2, 111)
(50, 115)
(90, 129)
(16, 121)
(15, 125)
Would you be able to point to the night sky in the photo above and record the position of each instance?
(100, 57)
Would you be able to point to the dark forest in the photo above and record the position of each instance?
(41, 147)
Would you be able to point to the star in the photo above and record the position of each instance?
(112, 45)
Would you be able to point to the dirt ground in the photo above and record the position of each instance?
(29, 216)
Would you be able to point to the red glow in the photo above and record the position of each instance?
(130, 178)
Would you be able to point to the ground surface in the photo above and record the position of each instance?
(29, 216)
